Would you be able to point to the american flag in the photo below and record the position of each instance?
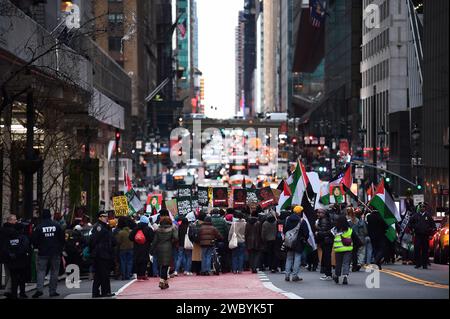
(182, 27)
(317, 13)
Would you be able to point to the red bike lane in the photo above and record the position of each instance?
(227, 286)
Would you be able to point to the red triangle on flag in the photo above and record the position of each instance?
(347, 180)
(287, 190)
(380, 188)
(304, 176)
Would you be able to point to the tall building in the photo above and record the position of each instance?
(271, 45)
(187, 52)
(249, 57)
(239, 66)
(435, 117)
(259, 71)
(286, 54)
(78, 99)
(391, 96)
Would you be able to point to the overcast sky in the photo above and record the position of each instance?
(217, 23)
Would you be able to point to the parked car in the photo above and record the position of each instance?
(440, 245)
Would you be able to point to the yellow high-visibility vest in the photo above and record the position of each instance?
(339, 246)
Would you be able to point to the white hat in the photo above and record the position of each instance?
(78, 227)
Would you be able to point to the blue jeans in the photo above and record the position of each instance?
(155, 268)
(237, 257)
(184, 259)
(126, 263)
(369, 251)
(206, 258)
(293, 263)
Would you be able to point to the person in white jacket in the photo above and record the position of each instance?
(237, 253)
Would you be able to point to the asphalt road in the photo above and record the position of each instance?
(395, 282)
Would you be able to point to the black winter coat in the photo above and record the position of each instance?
(17, 250)
(102, 242)
(303, 233)
(5, 232)
(253, 238)
(48, 237)
(324, 235)
(422, 224)
(141, 252)
(376, 227)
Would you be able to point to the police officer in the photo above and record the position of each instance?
(101, 245)
(423, 227)
(48, 238)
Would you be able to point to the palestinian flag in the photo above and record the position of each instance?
(310, 219)
(134, 204)
(299, 183)
(384, 203)
(285, 197)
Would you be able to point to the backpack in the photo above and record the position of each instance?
(291, 236)
(139, 238)
(194, 234)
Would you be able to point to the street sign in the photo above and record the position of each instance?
(418, 199)
(120, 204)
(359, 173)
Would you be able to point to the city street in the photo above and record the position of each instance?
(396, 282)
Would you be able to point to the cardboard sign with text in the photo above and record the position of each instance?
(120, 204)
(220, 197)
(239, 197)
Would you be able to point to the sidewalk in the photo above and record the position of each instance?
(32, 286)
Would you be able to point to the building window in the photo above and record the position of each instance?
(115, 18)
(114, 43)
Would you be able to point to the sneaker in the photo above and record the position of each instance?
(37, 294)
(296, 278)
(54, 294)
(23, 296)
(336, 279)
(287, 278)
(109, 295)
(345, 281)
(175, 273)
(326, 278)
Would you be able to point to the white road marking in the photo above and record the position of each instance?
(125, 287)
(266, 283)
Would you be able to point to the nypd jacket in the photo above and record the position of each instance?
(48, 237)
(102, 242)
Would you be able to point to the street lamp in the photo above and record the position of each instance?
(381, 136)
(416, 160)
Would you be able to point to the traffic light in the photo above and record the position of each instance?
(388, 180)
(117, 135)
(419, 187)
(294, 140)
